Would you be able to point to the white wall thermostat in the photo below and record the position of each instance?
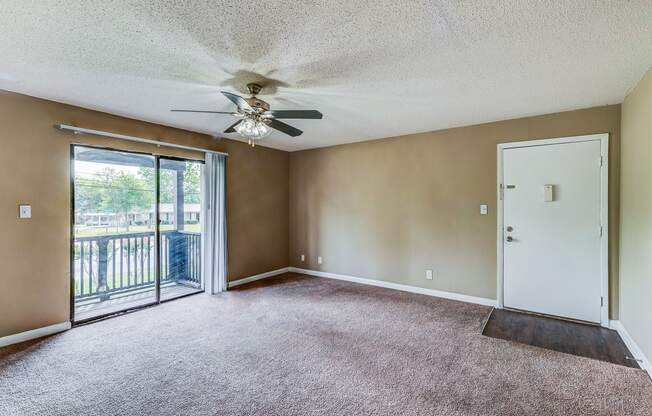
(24, 211)
(548, 193)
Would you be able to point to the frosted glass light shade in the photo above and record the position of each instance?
(252, 129)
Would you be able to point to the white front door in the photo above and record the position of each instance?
(552, 229)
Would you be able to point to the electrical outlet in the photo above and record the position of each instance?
(303, 257)
(319, 260)
(429, 274)
(484, 209)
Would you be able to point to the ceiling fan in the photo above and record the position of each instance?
(257, 120)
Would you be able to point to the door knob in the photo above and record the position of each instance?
(510, 228)
(509, 239)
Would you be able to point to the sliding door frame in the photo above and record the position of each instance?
(158, 223)
(157, 234)
(72, 234)
(157, 227)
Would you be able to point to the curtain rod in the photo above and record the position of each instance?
(81, 130)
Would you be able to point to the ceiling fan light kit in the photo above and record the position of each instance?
(257, 118)
(253, 130)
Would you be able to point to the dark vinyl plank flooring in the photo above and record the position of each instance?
(555, 334)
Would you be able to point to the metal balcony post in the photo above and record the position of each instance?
(103, 254)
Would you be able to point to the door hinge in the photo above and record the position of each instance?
(601, 161)
(501, 192)
(601, 301)
(601, 231)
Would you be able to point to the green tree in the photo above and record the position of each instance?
(88, 194)
(125, 193)
(167, 179)
(192, 183)
(113, 191)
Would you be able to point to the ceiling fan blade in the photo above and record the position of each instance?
(239, 101)
(231, 128)
(305, 114)
(203, 111)
(285, 128)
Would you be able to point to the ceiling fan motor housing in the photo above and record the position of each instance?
(254, 88)
(256, 103)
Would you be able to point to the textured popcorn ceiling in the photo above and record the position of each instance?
(374, 68)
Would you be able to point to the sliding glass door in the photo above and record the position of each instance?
(180, 237)
(114, 244)
(121, 257)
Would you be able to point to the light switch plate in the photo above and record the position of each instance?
(24, 211)
(484, 209)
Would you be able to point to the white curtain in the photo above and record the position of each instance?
(214, 223)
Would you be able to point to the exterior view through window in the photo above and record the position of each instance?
(118, 250)
(180, 239)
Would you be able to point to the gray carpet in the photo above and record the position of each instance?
(298, 345)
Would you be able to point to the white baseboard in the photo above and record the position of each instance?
(633, 347)
(397, 286)
(34, 333)
(258, 277)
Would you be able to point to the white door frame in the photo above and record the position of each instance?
(604, 213)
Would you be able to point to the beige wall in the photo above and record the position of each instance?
(391, 208)
(386, 209)
(636, 219)
(34, 169)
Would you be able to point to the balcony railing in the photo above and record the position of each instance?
(109, 265)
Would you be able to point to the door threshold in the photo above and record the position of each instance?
(575, 338)
(110, 315)
(559, 318)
